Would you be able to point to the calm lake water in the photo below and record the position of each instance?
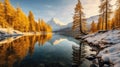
(48, 50)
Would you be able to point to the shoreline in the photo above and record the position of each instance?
(107, 46)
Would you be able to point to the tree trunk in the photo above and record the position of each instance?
(103, 21)
(81, 30)
(106, 14)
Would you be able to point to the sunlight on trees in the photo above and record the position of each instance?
(93, 27)
(16, 19)
(78, 19)
(105, 10)
(107, 20)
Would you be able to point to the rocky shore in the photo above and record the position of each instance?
(107, 47)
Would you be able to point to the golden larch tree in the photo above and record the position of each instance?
(32, 22)
(20, 21)
(3, 22)
(100, 23)
(93, 27)
(105, 10)
(9, 12)
(78, 18)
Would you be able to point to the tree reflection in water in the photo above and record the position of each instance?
(78, 55)
(15, 51)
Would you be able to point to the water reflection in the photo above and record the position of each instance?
(78, 55)
(45, 50)
(13, 51)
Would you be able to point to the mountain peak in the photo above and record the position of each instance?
(57, 21)
(56, 24)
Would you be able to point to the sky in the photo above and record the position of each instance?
(61, 9)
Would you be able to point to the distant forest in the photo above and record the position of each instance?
(15, 18)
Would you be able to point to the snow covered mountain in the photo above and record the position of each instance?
(56, 24)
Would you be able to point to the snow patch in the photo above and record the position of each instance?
(110, 38)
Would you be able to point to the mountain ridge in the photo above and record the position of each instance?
(57, 25)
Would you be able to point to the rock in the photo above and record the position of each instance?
(93, 65)
(90, 58)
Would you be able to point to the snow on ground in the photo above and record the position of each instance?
(6, 32)
(112, 38)
(10, 31)
(111, 54)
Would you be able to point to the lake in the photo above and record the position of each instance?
(45, 50)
